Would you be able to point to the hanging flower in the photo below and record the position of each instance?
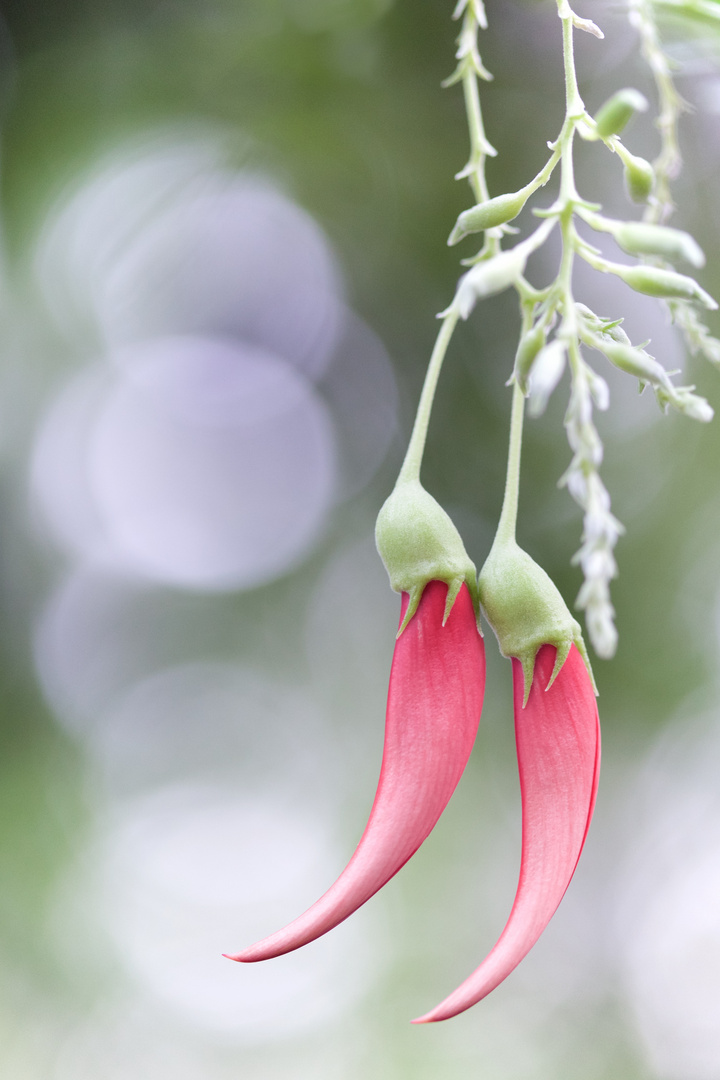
(557, 735)
(558, 747)
(437, 682)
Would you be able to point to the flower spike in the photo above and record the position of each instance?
(558, 747)
(437, 682)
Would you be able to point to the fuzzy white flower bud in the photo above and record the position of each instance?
(488, 278)
(599, 389)
(692, 405)
(545, 375)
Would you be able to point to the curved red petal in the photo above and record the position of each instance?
(435, 697)
(558, 747)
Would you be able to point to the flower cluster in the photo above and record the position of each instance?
(437, 683)
(438, 673)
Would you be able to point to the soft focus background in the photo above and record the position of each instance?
(223, 250)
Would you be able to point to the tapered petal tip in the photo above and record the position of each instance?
(254, 953)
(458, 1002)
(439, 1013)
(261, 950)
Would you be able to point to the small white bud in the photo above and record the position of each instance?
(588, 26)
(576, 485)
(600, 564)
(599, 390)
(694, 406)
(545, 375)
(601, 629)
(488, 278)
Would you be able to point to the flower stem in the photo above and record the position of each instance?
(575, 106)
(478, 139)
(668, 162)
(508, 515)
(413, 458)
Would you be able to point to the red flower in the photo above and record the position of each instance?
(558, 747)
(435, 697)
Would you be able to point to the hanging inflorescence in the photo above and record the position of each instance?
(559, 332)
(437, 680)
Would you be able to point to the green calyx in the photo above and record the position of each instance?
(526, 610)
(418, 543)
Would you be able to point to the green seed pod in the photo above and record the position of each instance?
(618, 110)
(639, 178)
(654, 281)
(640, 238)
(488, 214)
(529, 346)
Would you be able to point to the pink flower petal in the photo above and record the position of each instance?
(435, 697)
(558, 748)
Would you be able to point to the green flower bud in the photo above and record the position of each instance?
(639, 178)
(525, 609)
(529, 346)
(418, 543)
(633, 361)
(653, 281)
(614, 115)
(641, 238)
(488, 214)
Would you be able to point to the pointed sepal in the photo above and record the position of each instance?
(418, 543)
(525, 609)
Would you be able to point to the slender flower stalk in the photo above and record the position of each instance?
(435, 698)
(558, 746)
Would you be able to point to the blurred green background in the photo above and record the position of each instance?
(224, 231)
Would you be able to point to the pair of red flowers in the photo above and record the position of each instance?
(435, 698)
